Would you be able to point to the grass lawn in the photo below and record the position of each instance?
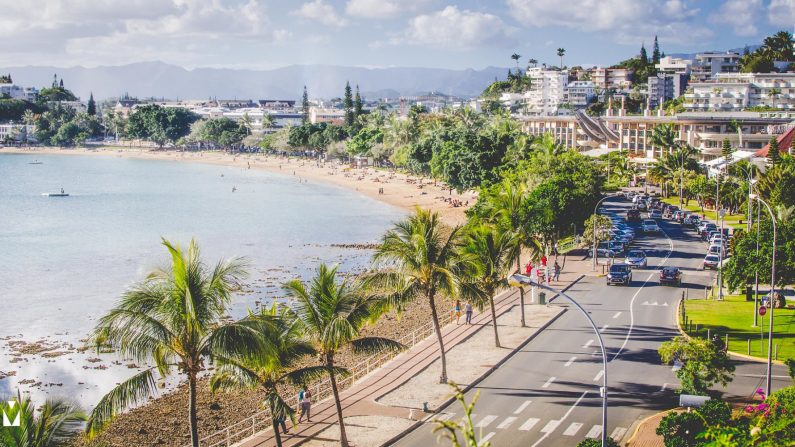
(730, 220)
(734, 316)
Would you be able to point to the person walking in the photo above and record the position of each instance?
(528, 269)
(543, 260)
(280, 423)
(457, 311)
(556, 267)
(305, 397)
(468, 309)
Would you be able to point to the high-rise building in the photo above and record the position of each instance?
(547, 91)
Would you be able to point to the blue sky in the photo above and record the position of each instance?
(428, 33)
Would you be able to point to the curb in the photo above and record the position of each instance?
(483, 376)
(643, 421)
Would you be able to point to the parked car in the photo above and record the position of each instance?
(619, 274)
(711, 262)
(650, 226)
(707, 229)
(617, 247)
(636, 258)
(642, 205)
(716, 237)
(717, 249)
(671, 275)
(655, 214)
(679, 216)
(633, 216)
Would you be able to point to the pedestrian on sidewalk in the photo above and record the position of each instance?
(280, 423)
(457, 311)
(543, 260)
(305, 397)
(528, 269)
(556, 276)
(468, 309)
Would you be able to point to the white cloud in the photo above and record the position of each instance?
(455, 29)
(740, 14)
(381, 9)
(322, 12)
(781, 12)
(626, 21)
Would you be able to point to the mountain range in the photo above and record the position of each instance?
(159, 79)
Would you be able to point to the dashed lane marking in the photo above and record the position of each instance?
(571, 360)
(487, 437)
(599, 375)
(527, 426)
(573, 429)
(618, 314)
(618, 433)
(551, 426)
(588, 343)
(522, 407)
(594, 432)
(548, 382)
(486, 421)
(507, 422)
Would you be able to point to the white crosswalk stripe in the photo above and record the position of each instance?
(527, 426)
(551, 426)
(548, 382)
(486, 421)
(594, 432)
(599, 375)
(522, 407)
(487, 437)
(571, 360)
(618, 433)
(507, 422)
(573, 429)
(444, 416)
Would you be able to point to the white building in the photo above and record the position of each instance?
(580, 93)
(18, 132)
(612, 78)
(321, 115)
(674, 65)
(14, 91)
(708, 65)
(547, 91)
(739, 91)
(511, 101)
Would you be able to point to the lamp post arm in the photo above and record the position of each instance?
(771, 301)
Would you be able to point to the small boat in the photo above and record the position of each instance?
(36, 162)
(55, 194)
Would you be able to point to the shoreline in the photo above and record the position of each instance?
(400, 190)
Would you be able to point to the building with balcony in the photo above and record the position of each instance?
(710, 64)
(321, 115)
(665, 87)
(580, 93)
(13, 91)
(739, 91)
(674, 65)
(612, 78)
(547, 91)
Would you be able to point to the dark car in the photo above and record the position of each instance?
(633, 216)
(671, 275)
(709, 228)
(619, 274)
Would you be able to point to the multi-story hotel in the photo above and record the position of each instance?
(612, 78)
(739, 91)
(547, 91)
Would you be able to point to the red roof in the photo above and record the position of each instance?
(784, 143)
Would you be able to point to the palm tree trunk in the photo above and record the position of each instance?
(276, 434)
(521, 289)
(494, 321)
(193, 421)
(333, 378)
(438, 330)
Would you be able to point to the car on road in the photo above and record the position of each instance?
(617, 247)
(636, 258)
(679, 216)
(619, 274)
(711, 262)
(655, 214)
(633, 216)
(650, 226)
(642, 205)
(707, 229)
(717, 249)
(671, 275)
(716, 237)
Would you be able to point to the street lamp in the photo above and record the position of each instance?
(595, 223)
(772, 296)
(520, 280)
(719, 216)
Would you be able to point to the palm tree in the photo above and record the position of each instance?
(676, 162)
(270, 369)
(422, 261)
(489, 253)
(532, 62)
(246, 122)
(546, 148)
(561, 53)
(664, 136)
(173, 318)
(267, 121)
(516, 57)
(51, 425)
(331, 315)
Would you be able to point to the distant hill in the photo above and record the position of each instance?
(158, 79)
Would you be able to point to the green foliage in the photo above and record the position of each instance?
(742, 266)
(777, 47)
(603, 225)
(450, 429)
(91, 109)
(347, 103)
(305, 107)
(790, 369)
(315, 136)
(55, 93)
(159, 125)
(517, 82)
(14, 109)
(222, 132)
(365, 140)
(703, 363)
(681, 429)
(773, 152)
(53, 424)
(726, 150)
(593, 442)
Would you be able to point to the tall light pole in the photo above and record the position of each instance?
(519, 281)
(595, 223)
(756, 270)
(720, 222)
(772, 297)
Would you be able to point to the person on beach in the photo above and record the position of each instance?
(457, 311)
(468, 310)
(556, 276)
(305, 397)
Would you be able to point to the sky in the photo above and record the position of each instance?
(457, 34)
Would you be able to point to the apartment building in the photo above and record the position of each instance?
(321, 115)
(580, 93)
(17, 132)
(739, 91)
(708, 65)
(612, 78)
(674, 65)
(13, 91)
(547, 91)
(665, 87)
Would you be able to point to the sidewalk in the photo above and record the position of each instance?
(359, 402)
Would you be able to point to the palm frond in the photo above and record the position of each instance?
(375, 345)
(132, 391)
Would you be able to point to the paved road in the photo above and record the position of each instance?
(547, 394)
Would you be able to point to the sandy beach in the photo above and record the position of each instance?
(398, 189)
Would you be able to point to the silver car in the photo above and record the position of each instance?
(636, 258)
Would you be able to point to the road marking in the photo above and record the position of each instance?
(487, 437)
(594, 432)
(763, 375)
(508, 421)
(551, 426)
(573, 429)
(604, 328)
(565, 416)
(444, 416)
(486, 421)
(618, 314)
(599, 375)
(618, 433)
(665, 385)
(588, 343)
(522, 407)
(527, 426)
(548, 382)
(571, 360)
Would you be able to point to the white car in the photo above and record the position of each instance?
(717, 239)
(717, 249)
(650, 226)
(655, 214)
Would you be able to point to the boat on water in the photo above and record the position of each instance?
(36, 162)
(55, 194)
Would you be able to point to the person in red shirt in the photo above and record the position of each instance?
(528, 269)
(544, 260)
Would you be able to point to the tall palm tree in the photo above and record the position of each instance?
(665, 137)
(421, 260)
(173, 319)
(270, 369)
(267, 121)
(489, 253)
(246, 122)
(532, 62)
(331, 316)
(516, 57)
(676, 163)
(561, 53)
(53, 424)
(546, 148)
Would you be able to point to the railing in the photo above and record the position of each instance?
(261, 420)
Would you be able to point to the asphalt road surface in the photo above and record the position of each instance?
(547, 394)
